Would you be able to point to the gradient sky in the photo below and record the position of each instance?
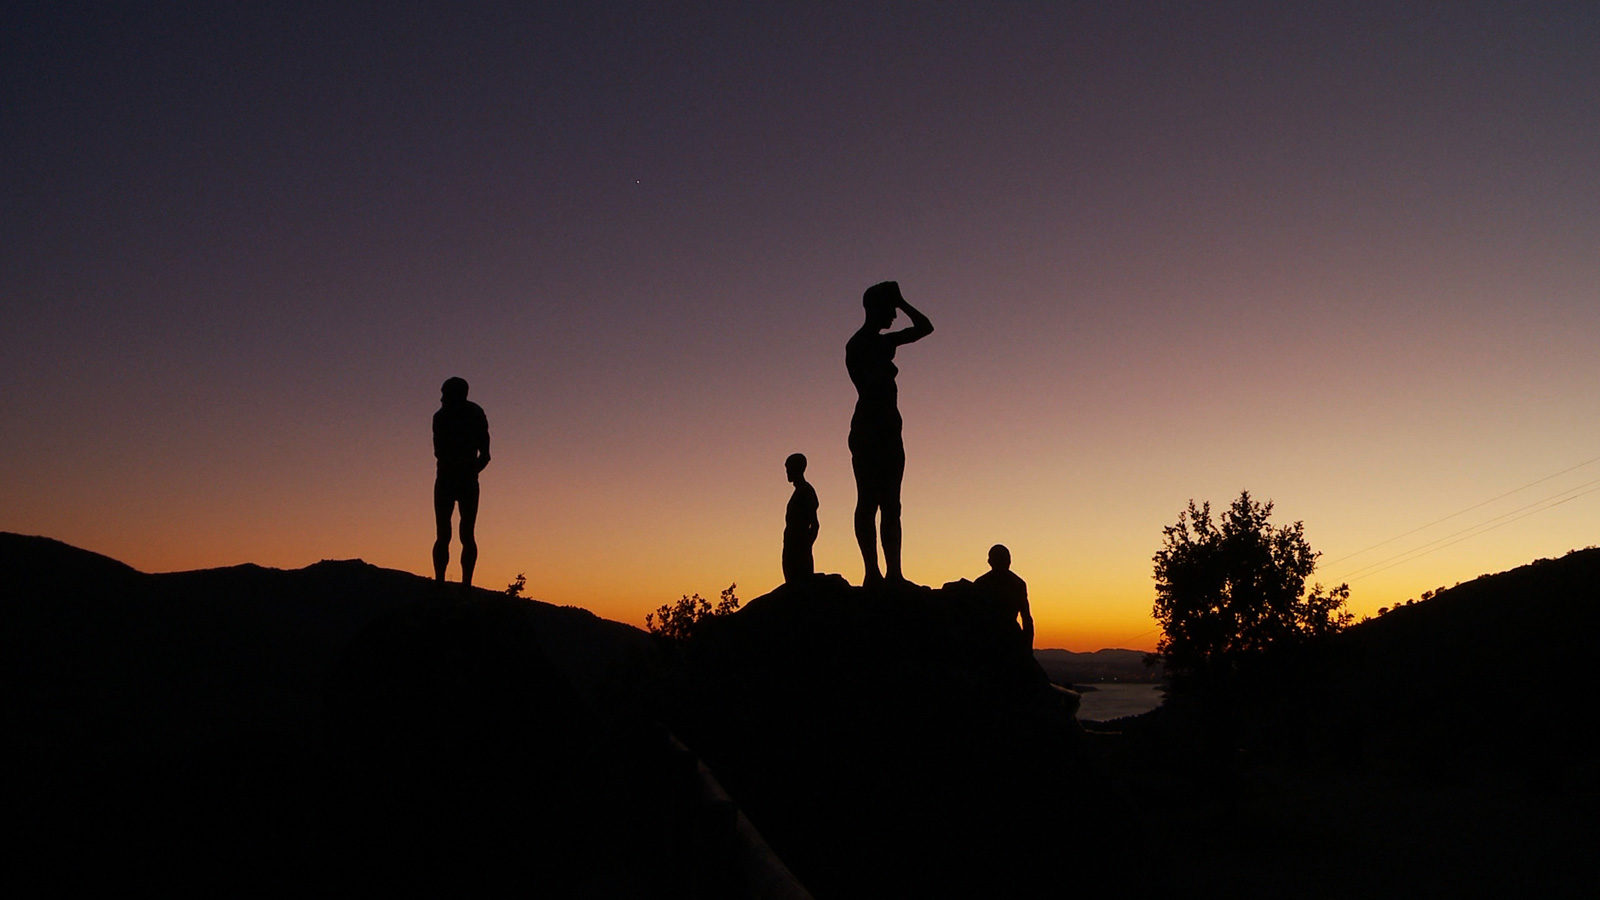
(1343, 255)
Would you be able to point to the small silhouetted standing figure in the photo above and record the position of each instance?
(799, 522)
(1005, 597)
(877, 454)
(461, 445)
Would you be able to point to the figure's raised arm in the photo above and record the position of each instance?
(920, 328)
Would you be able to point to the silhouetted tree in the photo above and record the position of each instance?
(1234, 587)
(679, 620)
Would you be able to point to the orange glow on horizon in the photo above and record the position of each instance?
(1367, 296)
(1070, 612)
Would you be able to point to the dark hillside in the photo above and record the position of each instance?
(39, 563)
(1496, 671)
(1443, 749)
(109, 654)
(1487, 680)
(344, 724)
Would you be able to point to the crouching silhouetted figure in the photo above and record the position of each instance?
(1003, 599)
(799, 523)
(461, 446)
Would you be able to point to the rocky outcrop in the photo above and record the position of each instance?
(880, 740)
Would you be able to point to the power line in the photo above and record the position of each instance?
(1474, 530)
(1461, 512)
(1429, 547)
(1470, 536)
(1464, 534)
(1141, 634)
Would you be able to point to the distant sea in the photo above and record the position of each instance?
(1113, 701)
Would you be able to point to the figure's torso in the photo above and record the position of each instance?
(869, 358)
(801, 513)
(460, 431)
(1005, 593)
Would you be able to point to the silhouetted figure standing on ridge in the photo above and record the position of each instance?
(799, 522)
(461, 445)
(877, 454)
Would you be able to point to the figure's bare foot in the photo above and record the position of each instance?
(872, 580)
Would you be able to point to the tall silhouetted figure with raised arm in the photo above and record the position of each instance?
(461, 445)
(799, 522)
(877, 454)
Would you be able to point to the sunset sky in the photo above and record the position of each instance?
(1343, 255)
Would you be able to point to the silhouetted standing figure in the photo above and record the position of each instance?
(799, 522)
(877, 454)
(461, 445)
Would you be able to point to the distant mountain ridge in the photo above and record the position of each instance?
(1067, 667)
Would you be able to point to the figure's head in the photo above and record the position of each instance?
(999, 557)
(880, 301)
(795, 466)
(454, 390)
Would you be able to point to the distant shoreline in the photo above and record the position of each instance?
(1120, 700)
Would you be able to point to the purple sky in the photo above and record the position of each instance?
(1345, 255)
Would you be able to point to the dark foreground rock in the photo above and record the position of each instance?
(885, 749)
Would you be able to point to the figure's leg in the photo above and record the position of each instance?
(867, 538)
(790, 575)
(866, 527)
(443, 503)
(890, 503)
(469, 537)
(798, 564)
(891, 539)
